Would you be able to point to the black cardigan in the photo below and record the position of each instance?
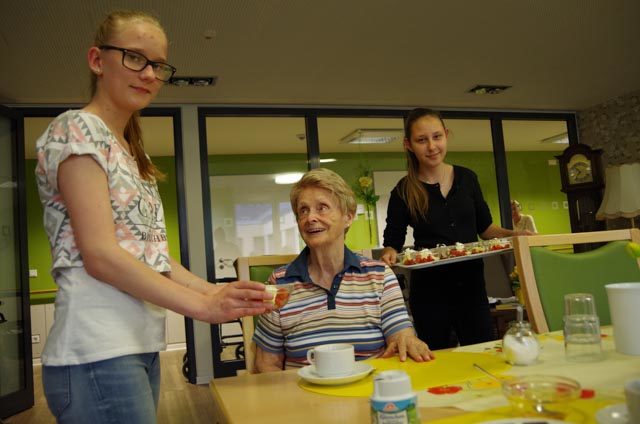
(459, 217)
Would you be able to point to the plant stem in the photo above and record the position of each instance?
(369, 225)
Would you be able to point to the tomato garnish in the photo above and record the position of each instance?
(444, 390)
(282, 297)
(587, 393)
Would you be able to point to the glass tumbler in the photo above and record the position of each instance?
(579, 304)
(582, 341)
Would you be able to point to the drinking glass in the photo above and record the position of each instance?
(579, 304)
(582, 341)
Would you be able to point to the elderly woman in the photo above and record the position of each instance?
(522, 222)
(340, 297)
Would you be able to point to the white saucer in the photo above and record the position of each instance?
(541, 420)
(360, 371)
(614, 414)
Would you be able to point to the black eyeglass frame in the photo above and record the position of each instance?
(149, 62)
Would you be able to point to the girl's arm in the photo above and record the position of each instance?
(184, 277)
(85, 192)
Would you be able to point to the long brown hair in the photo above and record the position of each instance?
(132, 131)
(411, 189)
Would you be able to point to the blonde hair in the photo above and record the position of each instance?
(326, 179)
(111, 25)
(411, 189)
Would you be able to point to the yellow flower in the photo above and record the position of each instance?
(363, 188)
(513, 276)
(365, 182)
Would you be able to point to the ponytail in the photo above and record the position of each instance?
(133, 134)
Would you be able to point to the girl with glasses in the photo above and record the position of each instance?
(105, 223)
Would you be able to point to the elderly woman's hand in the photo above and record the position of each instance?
(404, 343)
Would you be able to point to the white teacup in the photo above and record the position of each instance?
(332, 360)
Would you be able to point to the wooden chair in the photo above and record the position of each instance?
(547, 275)
(256, 268)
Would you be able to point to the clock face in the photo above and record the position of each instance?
(579, 170)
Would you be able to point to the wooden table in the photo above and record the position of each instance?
(277, 398)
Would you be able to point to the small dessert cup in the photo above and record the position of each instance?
(280, 294)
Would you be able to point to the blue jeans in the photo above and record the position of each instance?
(118, 390)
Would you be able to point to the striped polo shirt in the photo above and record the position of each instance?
(363, 307)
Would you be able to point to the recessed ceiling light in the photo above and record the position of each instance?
(209, 34)
(488, 89)
(193, 81)
(179, 81)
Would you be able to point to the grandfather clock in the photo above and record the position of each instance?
(582, 181)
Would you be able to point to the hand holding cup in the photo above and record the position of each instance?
(280, 294)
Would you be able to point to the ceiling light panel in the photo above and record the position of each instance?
(373, 136)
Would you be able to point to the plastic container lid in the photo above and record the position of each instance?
(391, 384)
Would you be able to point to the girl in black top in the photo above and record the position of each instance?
(443, 203)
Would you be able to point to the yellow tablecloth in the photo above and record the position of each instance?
(448, 368)
(482, 397)
(581, 411)
(605, 378)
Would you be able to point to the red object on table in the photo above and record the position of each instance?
(444, 390)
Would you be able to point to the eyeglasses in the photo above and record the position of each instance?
(137, 62)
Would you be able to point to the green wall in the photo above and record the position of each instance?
(39, 253)
(536, 185)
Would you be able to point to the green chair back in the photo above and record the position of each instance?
(262, 272)
(560, 273)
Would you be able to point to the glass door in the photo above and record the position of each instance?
(16, 372)
(252, 161)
